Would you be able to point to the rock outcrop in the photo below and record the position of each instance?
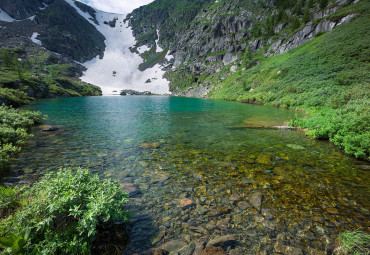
(224, 33)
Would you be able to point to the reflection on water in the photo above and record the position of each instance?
(198, 169)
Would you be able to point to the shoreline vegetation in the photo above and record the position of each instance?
(15, 128)
(327, 77)
(61, 214)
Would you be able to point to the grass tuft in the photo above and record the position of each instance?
(353, 243)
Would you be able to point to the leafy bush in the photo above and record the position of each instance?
(15, 130)
(61, 213)
(353, 243)
(8, 200)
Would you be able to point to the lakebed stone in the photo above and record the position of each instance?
(186, 203)
(155, 251)
(256, 200)
(131, 189)
(174, 246)
(287, 250)
(212, 250)
(49, 128)
(223, 241)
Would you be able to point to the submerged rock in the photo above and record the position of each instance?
(288, 250)
(264, 159)
(188, 250)
(131, 189)
(155, 251)
(150, 145)
(223, 241)
(212, 250)
(256, 200)
(49, 128)
(186, 203)
(296, 146)
(174, 245)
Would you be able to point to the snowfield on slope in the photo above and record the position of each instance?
(5, 17)
(119, 67)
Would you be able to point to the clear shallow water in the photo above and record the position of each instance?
(271, 188)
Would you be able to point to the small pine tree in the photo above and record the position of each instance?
(306, 16)
(323, 4)
(295, 23)
(6, 58)
(310, 3)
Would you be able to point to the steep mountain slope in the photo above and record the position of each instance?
(40, 41)
(57, 24)
(247, 51)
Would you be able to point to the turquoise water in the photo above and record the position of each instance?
(266, 186)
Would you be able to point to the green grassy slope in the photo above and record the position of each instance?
(328, 77)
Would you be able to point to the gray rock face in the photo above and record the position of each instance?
(198, 92)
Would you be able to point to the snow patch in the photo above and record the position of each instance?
(86, 15)
(43, 8)
(5, 17)
(32, 17)
(119, 67)
(169, 57)
(159, 49)
(33, 38)
(143, 49)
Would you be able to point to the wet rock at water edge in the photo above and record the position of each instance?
(212, 250)
(223, 241)
(49, 128)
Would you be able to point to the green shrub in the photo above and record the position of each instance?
(8, 200)
(61, 213)
(353, 243)
(15, 127)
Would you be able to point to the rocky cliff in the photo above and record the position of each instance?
(41, 43)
